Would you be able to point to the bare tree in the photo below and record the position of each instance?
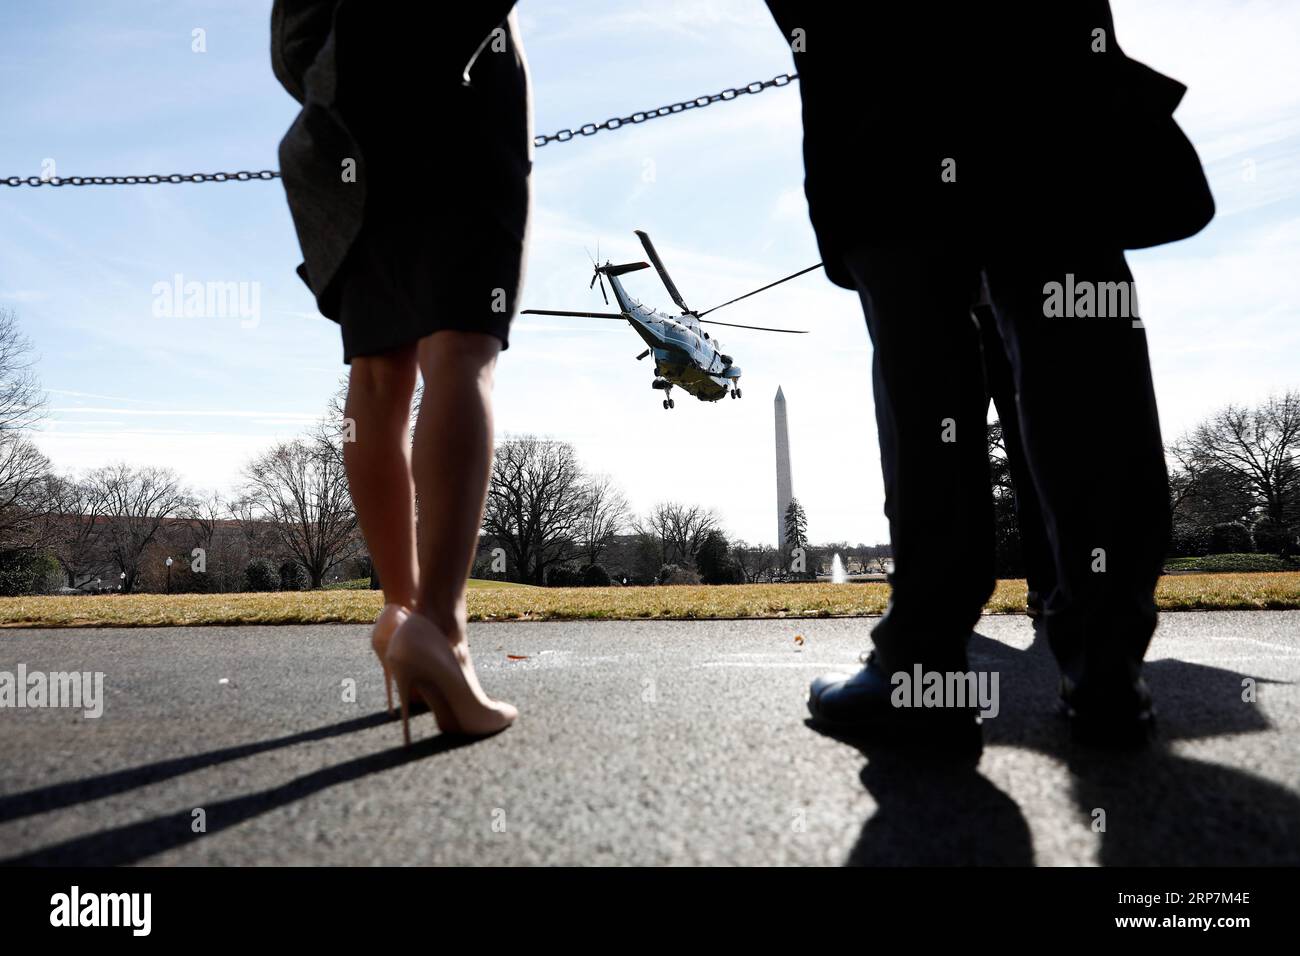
(22, 403)
(535, 507)
(334, 428)
(260, 538)
(1257, 450)
(299, 488)
(1204, 494)
(604, 514)
(73, 520)
(23, 470)
(205, 513)
(137, 503)
(22, 466)
(757, 563)
(743, 554)
(677, 530)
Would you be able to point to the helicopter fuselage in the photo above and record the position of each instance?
(684, 355)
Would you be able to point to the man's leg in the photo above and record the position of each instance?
(931, 414)
(1092, 437)
(1000, 385)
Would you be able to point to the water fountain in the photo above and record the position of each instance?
(837, 570)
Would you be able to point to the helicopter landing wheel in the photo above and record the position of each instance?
(732, 393)
(671, 403)
(735, 393)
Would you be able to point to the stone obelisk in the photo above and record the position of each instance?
(784, 490)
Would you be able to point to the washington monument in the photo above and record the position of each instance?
(783, 481)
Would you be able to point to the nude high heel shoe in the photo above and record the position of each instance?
(424, 663)
(390, 618)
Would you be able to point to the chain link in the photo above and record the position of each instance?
(242, 176)
(615, 122)
(562, 136)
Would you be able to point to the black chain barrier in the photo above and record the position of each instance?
(242, 176)
(562, 136)
(614, 122)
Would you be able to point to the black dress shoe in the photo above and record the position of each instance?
(1033, 605)
(1109, 713)
(863, 702)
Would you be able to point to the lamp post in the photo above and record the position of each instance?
(122, 586)
(169, 574)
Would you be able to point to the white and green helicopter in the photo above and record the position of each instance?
(684, 354)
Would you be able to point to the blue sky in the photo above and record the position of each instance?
(113, 87)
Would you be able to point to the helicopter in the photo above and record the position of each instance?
(685, 355)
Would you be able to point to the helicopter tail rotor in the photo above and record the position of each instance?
(609, 269)
(595, 277)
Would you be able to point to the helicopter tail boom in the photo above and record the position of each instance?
(619, 270)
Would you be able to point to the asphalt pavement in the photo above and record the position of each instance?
(638, 743)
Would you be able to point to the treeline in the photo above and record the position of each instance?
(124, 528)
(1234, 485)
(127, 528)
(1235, 488)
(550, 522)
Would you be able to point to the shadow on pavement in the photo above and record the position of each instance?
(136, 841)
(1160, 808)
(938, 813)
(60, 795)
(933, 808)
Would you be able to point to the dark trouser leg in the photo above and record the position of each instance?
(1037, 554)
(1092, 437)
(931, 414)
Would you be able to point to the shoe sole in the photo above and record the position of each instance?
(953, 730)
(1112, 731)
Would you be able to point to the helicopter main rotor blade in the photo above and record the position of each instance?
(757, 291)
(663, 273)
(756, 328)
(581, 315)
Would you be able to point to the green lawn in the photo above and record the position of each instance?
(1233, 563)
(494, 601)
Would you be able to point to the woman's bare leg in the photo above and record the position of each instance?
(428, 655)
(452, 462)
(378, 465)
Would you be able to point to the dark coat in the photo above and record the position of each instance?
(1047, 135)
(391, 92)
